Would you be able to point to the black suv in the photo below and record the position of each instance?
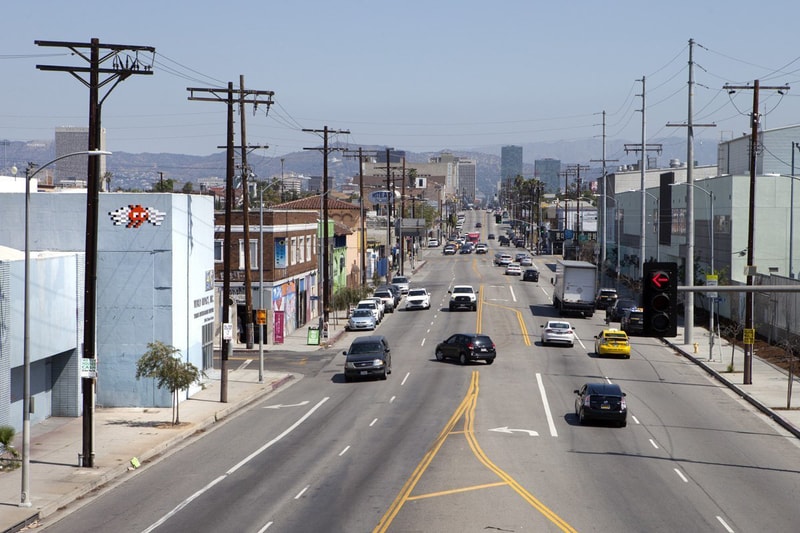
(615, 311)
(605, 298)
(601, 401)
(368, 356)
(467, 347)
(632, 321)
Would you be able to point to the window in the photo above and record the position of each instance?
(679, 221)
(218, 250)
(308, 247)
(298, 244)
(293, 251)
(253, 254)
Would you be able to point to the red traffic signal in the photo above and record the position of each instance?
(659, 279)
(660, 299)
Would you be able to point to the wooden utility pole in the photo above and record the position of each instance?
(755, 118)
(326, 282)
(123, 66)
(227, 96)
(362, 245)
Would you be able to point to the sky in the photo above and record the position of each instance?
(413, 75)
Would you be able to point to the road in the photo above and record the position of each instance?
(441, 447)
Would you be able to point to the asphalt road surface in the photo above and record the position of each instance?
(440, 447)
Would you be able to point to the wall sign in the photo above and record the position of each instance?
(135, 215)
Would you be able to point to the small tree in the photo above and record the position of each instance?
(161, 363)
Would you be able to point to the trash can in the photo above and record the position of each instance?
(313, 336)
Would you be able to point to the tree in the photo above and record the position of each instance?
(166, 185)
(188, 187)
(161, 363)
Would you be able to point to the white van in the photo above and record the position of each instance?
(433, 243)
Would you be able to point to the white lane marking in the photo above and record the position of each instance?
(280, 405)
(608, 379)
(654, 444)
(680, 475)
(546, 405)
(266, 527)
(422, 343)
(299, 494)
(405, 378)
(636, 420)
(374, 420)
(341, 453)
(580, 342)
(513, 296)
(392, 399)
(244, 364)
(726, 526)
(506, 429)
(241, 463)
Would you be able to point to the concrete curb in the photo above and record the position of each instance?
(778, 419)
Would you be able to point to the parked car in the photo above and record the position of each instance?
(615, 311)
(463, 297)
(418, 298)
(394, 290)
(530, 274)
(513, 269)
(381, 305)
(632, 321)
(605, 297)
(466, 348)
(601, 401)
(368, 356)
(558, 332)
(361, 319)
(388, 299)
(402, 283)
(612, 342)
(372, 305)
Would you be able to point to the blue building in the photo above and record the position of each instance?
(155, 282)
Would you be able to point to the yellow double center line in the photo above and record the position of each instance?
(467, 409)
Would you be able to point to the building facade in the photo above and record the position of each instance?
(548, 171)
(510, 162)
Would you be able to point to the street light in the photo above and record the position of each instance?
(658, 223)
(616, 218)
(711, 244)
(26, 342)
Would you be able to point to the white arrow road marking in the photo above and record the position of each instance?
(505, 429)
(287, 405)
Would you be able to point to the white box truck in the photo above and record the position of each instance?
(575, 287)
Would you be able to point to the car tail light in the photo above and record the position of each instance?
(587, 401)
(622, 404)
(470, 346)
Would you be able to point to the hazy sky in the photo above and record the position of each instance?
(414, 75)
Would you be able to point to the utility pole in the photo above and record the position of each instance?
(227, 95)
(603, 234)
(125, 63)
(401, 217)
(749, 328)
(576, 170)
(363, 230)
(326, 289)
(642, 148)
(688, 309)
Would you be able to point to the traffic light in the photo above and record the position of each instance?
(660, 299)
(498, 219)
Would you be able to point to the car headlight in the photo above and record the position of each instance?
(351, 366)
(377, 362)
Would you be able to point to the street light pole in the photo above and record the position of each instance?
(26, 343)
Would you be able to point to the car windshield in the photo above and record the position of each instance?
(626, 304)
(559, 325)
(416, 292)
(462, 290)
(483, 340)
(367, 305)
(616, 336)
(362, 312)
(366, 347)
(399, 280)
(383, 294)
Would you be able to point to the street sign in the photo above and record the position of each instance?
(261, 317)
(227, 332)
(88, 367)
(749, 336)
(712, 280)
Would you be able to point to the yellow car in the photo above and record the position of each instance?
(612, 342)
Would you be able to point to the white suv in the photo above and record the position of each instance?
(463, 297)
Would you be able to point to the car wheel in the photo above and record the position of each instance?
(571, 344)
(623, 423)
(474, 307)
(347, 378)
(439, 355)
(450, 308)
(581, 417)
(383, 376)
(462, 358)
(489, 361)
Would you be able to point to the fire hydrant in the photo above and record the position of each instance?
(696, 347)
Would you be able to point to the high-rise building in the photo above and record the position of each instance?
(510, 162)
(71, 139)
(467, 173)
(547, 171)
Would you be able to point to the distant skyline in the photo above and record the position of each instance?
(416, 76)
